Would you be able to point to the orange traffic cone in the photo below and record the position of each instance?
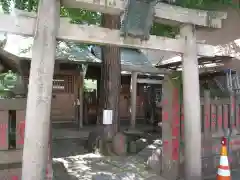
(223, 169)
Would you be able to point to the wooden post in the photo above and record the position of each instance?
(207, 138)
(4, 130)
(81, 96)
(207, 117)
(170, 129)
(191, 99)
(35, 152)
(133, 99)
(76, 97)
(233, 118)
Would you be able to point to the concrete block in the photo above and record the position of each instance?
(120, 144)
(10, 174)
(154, 162)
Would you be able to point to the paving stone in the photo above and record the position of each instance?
(129, 176)
(103, 177)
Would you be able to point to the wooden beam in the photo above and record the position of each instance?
(211, 69)
(144, 69)
(163, 12)
(97, 35)
(10, 157)
(149, 81)
(124, 67)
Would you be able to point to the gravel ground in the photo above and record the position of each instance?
(72, 162)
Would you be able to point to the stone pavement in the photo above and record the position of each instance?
(70, 161)
(95, 167)
(235, 176)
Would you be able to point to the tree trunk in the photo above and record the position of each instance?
(110, 84)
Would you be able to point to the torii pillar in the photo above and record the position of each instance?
(191, 100)
(36, 140)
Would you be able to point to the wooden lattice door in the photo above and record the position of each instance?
(63, 98)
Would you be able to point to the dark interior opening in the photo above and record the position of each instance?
(12, 129)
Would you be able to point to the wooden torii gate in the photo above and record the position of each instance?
(47, 26)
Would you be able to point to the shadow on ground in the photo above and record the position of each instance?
(71, 161)
(68, 147)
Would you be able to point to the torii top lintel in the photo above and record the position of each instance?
(165, 13)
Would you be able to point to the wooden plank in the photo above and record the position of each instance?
(182, 123)
(98, 35)
(4, 129)
(164, 13)
(10, 156)
(10, 174)
(237, 116)
(225, 116)
(206, 138)
(20, 128)
(13, 104)
(213, 118)
(143, 69)
(207, 117)
(220, 120)
(176, 129)
(148, 81)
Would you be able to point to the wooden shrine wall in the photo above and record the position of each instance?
(12, 127)
(216, 118)
(63, 97)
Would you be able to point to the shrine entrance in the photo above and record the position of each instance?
(64, 98)
(131, 35)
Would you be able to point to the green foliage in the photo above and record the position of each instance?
(8, 82)
(6, 5)
(30, 5)
(164, 30)
(205, 4)
(80, 16)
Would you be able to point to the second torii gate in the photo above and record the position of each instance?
(47, 27)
